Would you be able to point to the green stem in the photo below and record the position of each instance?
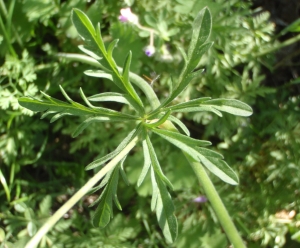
(217, 204)
(80, 193)
(7, 39)
(200, 172)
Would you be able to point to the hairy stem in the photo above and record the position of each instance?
(80, 193)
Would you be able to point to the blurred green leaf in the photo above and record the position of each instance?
(231, 106)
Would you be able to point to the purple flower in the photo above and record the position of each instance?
(128, 16)
(149, 50)
(200, 199)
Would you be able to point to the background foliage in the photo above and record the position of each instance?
(41, 165)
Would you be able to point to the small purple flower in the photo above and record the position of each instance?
(149, 50)
(128, 16)
(200, 199)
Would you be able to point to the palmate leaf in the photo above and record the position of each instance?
(210, 159)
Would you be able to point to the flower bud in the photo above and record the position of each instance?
(128, 16)
(149, 50)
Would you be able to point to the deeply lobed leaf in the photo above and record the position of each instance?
(164, 208)
(210, 159)
(104, 211)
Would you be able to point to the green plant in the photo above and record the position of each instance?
(159, 121)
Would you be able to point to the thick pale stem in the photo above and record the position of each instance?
(75, 198)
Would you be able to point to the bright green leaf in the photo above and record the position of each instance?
(201, 30)
(191, 103)
(147, 163)
(231, 106)
(155, 164)
(180, 124)
(220, 168)
(109, 97)
(99, 74)
(165, 209)
(160, 121)
(180, 137)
